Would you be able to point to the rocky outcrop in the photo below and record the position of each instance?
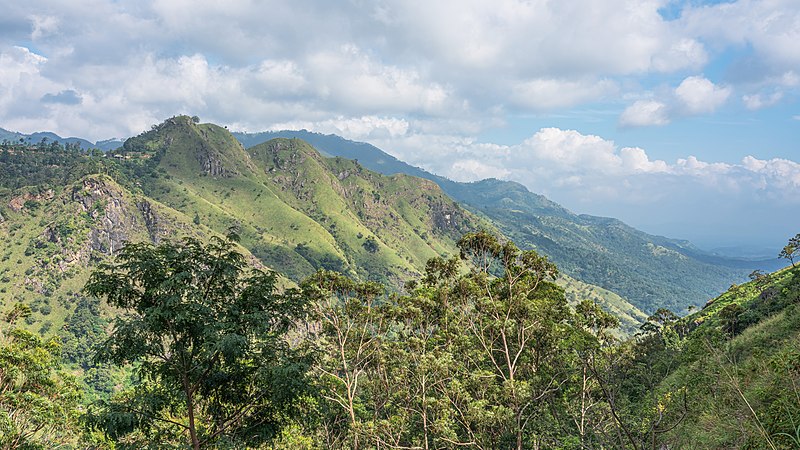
(212, 165)
(152, 221)
(103, 202)
(17, 203)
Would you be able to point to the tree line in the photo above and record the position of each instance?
(482, 351)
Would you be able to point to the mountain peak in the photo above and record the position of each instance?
(183, 145)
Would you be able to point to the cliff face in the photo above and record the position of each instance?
(52, 240)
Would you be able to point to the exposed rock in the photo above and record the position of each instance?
(152, 221)
(17, 204)
(105, 204)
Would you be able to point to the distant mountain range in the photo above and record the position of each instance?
(35, 138)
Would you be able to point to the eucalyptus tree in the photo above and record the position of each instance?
(517, 319)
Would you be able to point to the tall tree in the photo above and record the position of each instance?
(516, 319)
(208, 336)
(348, 337)
(791, 249)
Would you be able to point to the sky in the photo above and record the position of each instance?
(681, 118)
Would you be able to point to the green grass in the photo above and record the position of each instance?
(744, 388)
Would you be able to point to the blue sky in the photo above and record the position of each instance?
(679, 117)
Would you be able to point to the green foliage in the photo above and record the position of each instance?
(208, 338)
(38, 400)
(792, 249)
(484, 358)
(47, 166)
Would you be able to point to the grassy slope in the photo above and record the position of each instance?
(744, 391)
(49, 250)
(299, 211)
(649, 271)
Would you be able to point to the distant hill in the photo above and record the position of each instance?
(35, 138)
(649, 271)
(297, 211)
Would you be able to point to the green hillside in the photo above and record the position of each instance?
(739, 367)
(296, 212)
(649, 271)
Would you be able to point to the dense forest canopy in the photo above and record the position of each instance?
(483, 351)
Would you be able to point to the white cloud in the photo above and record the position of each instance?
(358, 128)
(472, 169)
(699, 95)
(685, 53)
(770, 28)
(645, 113)
(760, 101)
(43, 26)
(694, 95)
(548, 94)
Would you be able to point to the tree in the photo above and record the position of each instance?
(208, 337)
(38, 401)
(791, 249)
(729, 318)
(348, 336)
(515, 322)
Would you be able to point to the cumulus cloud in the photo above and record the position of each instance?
(357, 128)
(699, 95)
(694, 95)
(770, 28)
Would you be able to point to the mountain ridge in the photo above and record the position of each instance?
(37, 137)
(296, 210)
(599, 250)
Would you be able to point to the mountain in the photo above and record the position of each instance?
(297, 211)
(35, 138)
(649, 271)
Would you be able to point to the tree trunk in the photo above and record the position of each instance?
(190, 411)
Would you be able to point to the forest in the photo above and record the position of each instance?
(482, 351)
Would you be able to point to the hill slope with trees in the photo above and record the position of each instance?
(648, 271)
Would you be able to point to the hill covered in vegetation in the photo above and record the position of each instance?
(66, 210)
(648, 271)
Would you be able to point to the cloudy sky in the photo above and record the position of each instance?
(680, 117)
